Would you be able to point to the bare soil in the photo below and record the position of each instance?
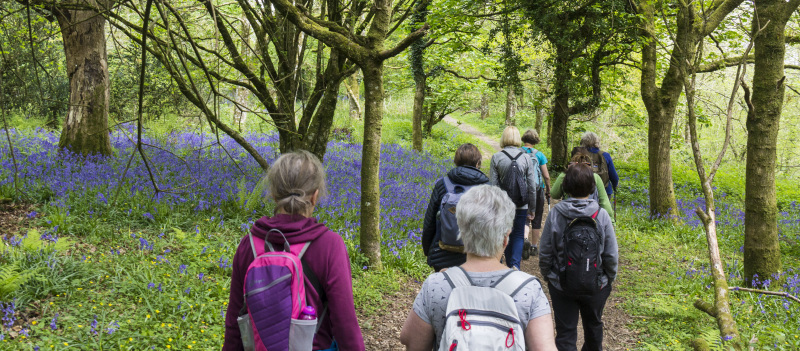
(12, 218)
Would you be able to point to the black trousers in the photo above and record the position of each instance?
(566, 309)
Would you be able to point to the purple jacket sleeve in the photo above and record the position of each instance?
(338, 284)
(241, 260)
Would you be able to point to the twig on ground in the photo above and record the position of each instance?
(766, 292)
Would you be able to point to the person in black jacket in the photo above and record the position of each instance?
(467, 173)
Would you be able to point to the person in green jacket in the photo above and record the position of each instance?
(601, 197)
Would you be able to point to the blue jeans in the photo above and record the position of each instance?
(515, 240)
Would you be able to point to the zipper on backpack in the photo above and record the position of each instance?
(453, 345)
(487, 314)
(487, 324)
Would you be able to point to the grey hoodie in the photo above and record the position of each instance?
(501, 165)
(552, 240)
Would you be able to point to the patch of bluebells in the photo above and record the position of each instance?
(112, 327)
(9, 316)
(406, 177)
(223, 263)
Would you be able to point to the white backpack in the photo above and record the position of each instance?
(483, 318)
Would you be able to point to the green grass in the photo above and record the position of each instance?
(659, 290)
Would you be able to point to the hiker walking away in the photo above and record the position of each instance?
(482, 304)
(296, 182)
(515, 173)
(529, 140)
(603, 166)
(578, 257)
(440, 241)
(557, 191)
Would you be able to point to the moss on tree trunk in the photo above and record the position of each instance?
(370, 164)
(761, 250)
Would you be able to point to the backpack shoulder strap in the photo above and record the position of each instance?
(314, 280)
(448, 184)
(253, 245)
(457, 277)
(513, 281)
(509, 155)
(594, 216)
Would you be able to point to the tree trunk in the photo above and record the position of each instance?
(416, 57)
(722, 309)
(511, 105)
(661, 104)
(288, 43)
(318, 133)
(86, 125)
(484, 106)
(539, 119)
(762, 257)
(662, 191)
(419, 110)
(353, 93)
(370, 239)
(558, 123)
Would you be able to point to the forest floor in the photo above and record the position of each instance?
(382, 329)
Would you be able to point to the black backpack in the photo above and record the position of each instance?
(514, 182)
(581, 265)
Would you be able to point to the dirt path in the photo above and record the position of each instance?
(382, 330)
(466, 128)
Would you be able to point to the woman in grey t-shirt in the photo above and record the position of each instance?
(485, 215)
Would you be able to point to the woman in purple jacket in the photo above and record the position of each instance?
(296, 182)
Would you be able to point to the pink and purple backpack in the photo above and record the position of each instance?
(274, 295)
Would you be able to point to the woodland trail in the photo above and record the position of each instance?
(466, 128)
(382, 330)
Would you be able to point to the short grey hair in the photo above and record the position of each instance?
(590, 139)
(485, 215)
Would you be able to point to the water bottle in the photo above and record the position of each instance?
(308, 313)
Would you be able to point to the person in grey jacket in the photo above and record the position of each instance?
(579, 182)
(500, 167)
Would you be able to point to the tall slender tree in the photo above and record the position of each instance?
(369, 53)
(762, 256)
(692, 25)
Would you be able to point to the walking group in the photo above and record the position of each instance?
(291, 286)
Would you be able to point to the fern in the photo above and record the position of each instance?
(11, 279)
(712, 338)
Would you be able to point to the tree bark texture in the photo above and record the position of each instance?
(484, 106)
(761, 249)
(722, 309)
(354, 95)
(419, 110)
(511, 105)
(558, 124)
(539, 119)
(370, 239)
(86, 125)
(661, 103)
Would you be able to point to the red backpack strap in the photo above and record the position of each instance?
(595, 213)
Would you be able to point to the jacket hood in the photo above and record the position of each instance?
(466, 175)
(573, 208)
(296, 228)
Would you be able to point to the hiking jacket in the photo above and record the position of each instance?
(501, 165)
(326, 257)
(612, 172)
(557, 192)
(552, 241)
(462, 175)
